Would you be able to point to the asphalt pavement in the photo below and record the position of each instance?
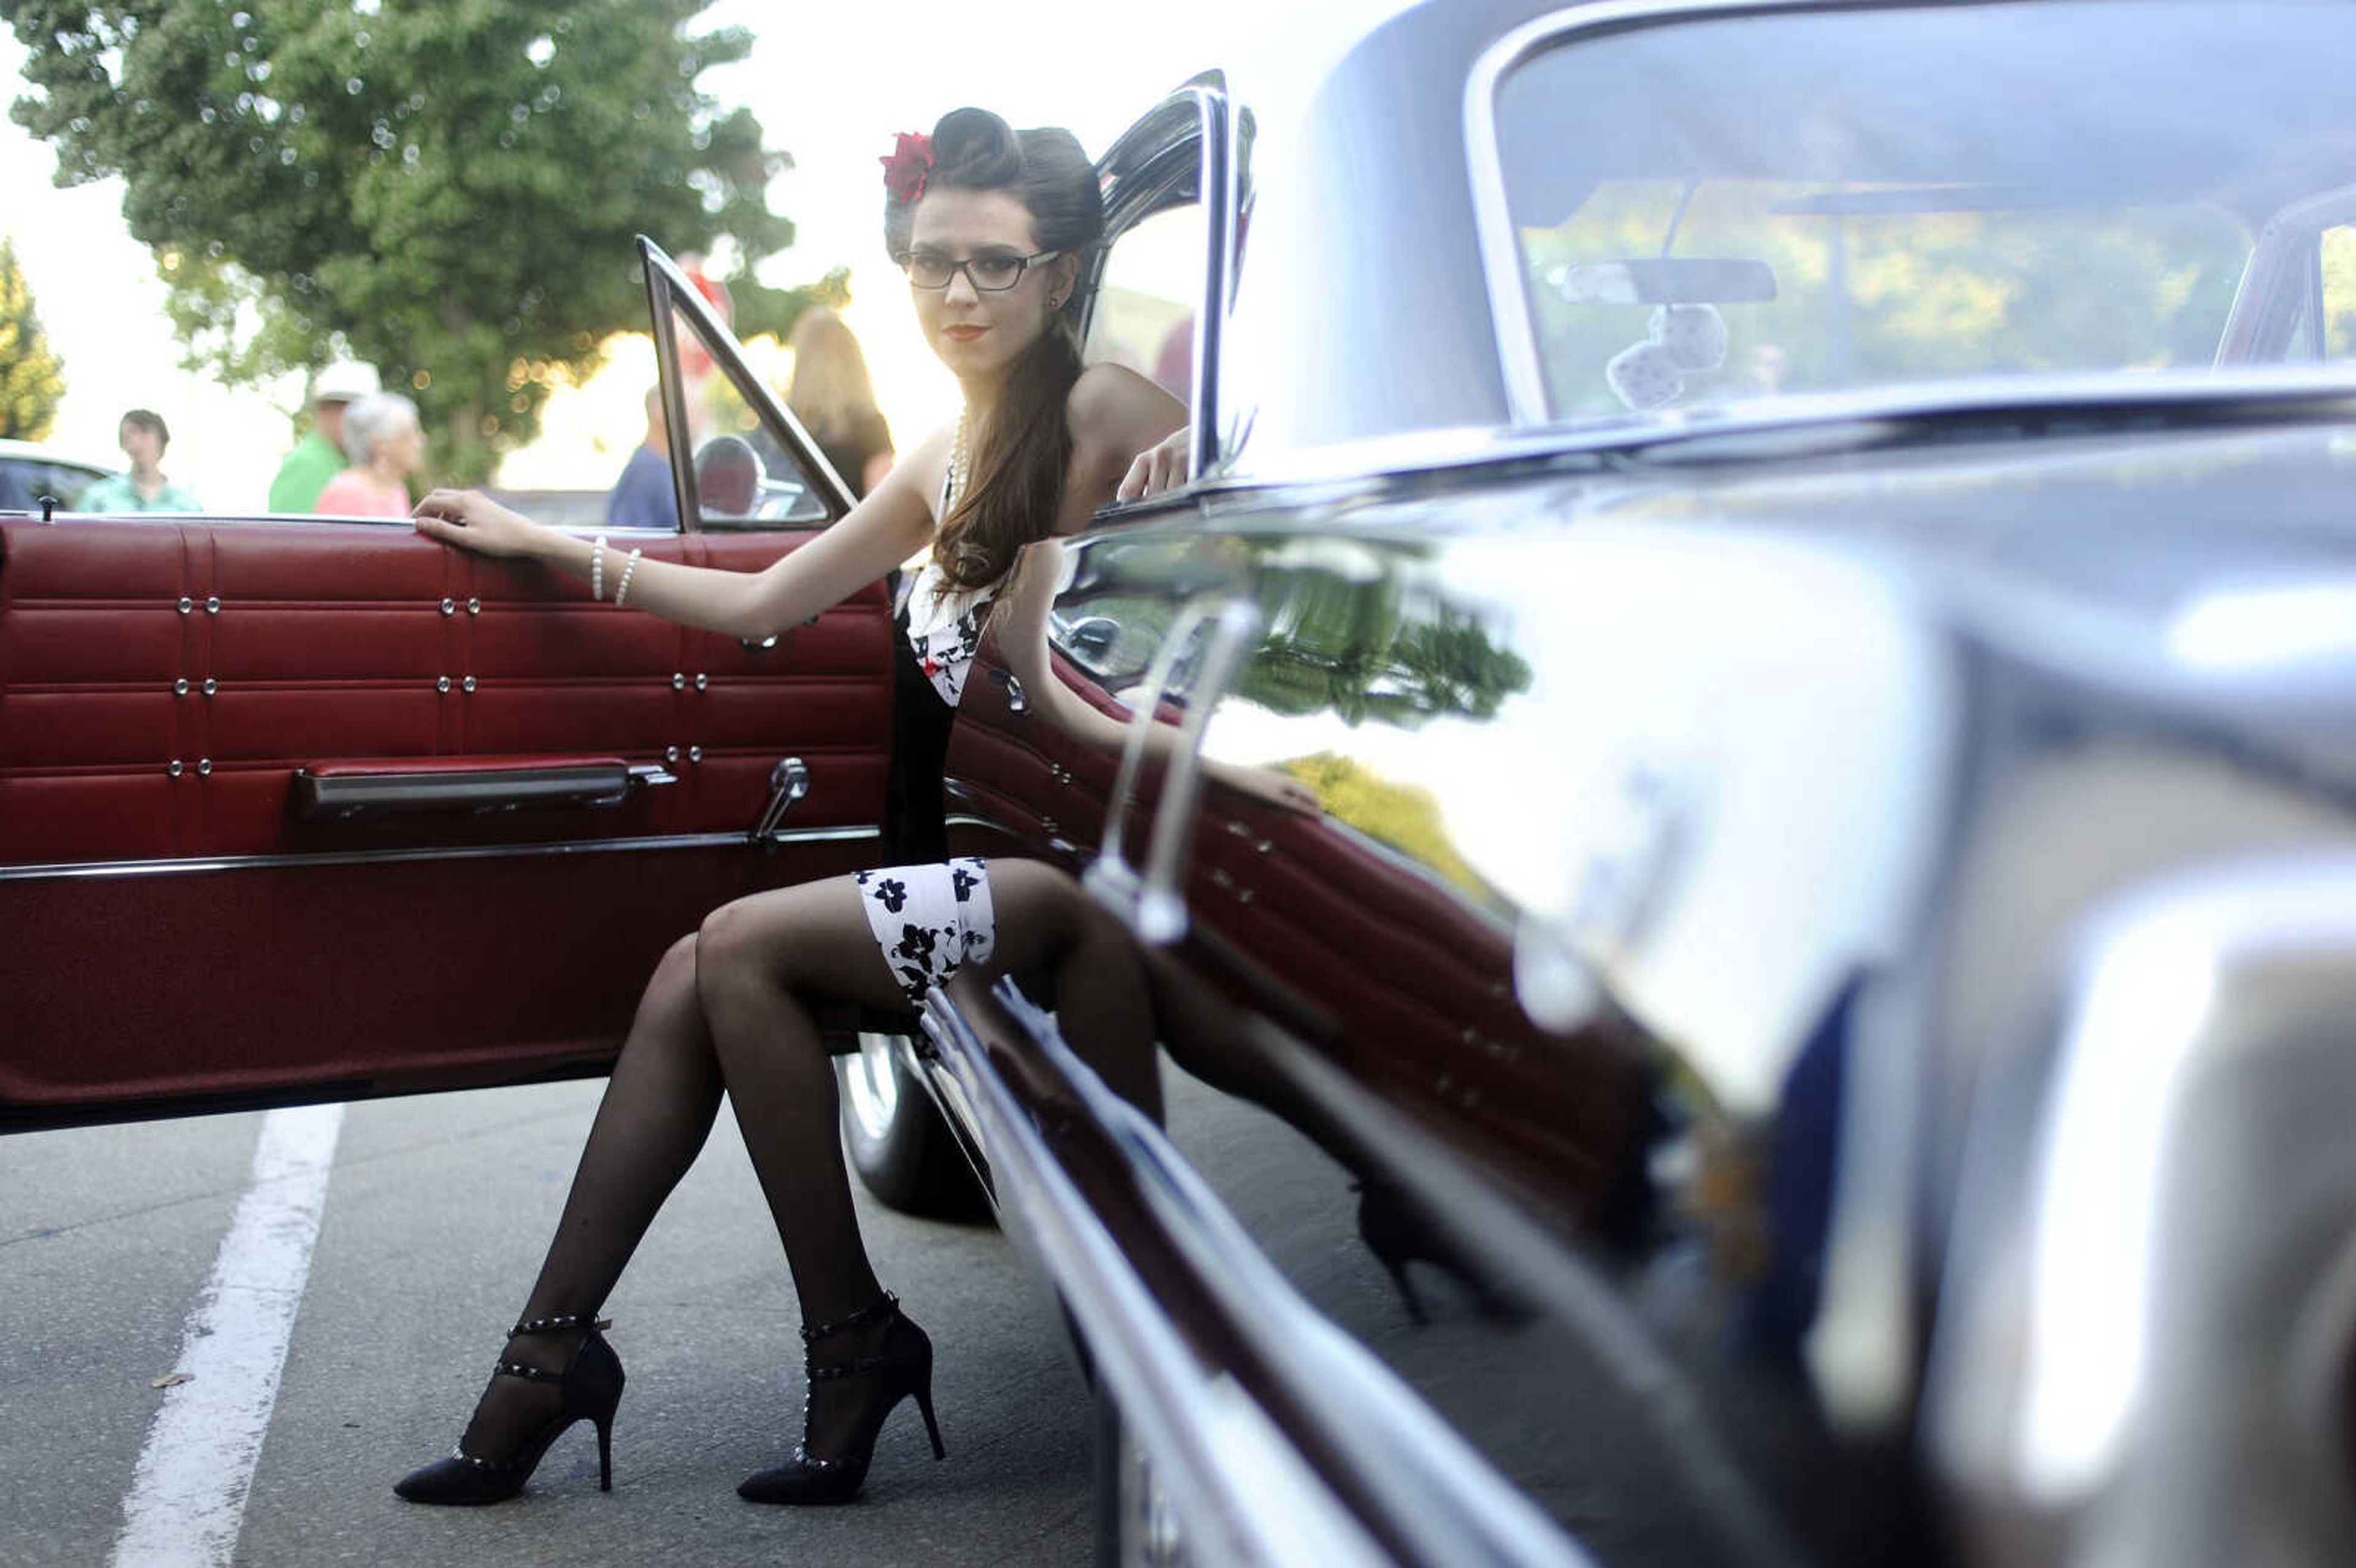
(435, 1210)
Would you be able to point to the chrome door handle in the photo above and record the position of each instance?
(789, 782)
(1151, 902)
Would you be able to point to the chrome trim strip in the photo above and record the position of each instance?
(1435, 1490)
(1216, 193)
(2276, 393)
(70, 868)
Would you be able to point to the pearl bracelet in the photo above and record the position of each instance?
(622, 589)
(597, 568)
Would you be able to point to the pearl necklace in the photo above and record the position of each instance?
(957, 467)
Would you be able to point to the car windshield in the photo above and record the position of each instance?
(1824, 201)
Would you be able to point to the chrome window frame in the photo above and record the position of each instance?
(669, 295)
(1203, 102)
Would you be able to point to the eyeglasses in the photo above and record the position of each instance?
(991, 272)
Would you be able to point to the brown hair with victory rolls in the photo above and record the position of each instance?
(1019, 459)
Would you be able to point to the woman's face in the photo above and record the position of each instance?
(977, 333)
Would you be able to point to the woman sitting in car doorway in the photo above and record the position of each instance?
(993, 226)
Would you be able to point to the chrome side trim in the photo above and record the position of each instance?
(1214, 1446)
(1509, 302)
(72, 869)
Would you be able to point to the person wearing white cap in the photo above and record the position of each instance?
(319, 455)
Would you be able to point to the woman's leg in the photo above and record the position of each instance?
(764, 962)
(1049, 929)
(657, 1112)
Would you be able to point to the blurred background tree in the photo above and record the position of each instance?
(32, 379)
(448, 191)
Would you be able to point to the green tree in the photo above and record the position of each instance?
(32, 379)
(446, 188)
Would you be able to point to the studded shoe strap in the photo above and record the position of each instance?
(588, 1321)
(537, 1374)
(884, 1307)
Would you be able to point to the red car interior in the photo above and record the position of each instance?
(172, 695)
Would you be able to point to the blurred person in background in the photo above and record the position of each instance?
(143, 489)
(643, 496)
(319, 455)
(386, 444)
(834, 396)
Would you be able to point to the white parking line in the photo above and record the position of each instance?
(187, 1496)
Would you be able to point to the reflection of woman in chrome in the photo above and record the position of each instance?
(993, 226)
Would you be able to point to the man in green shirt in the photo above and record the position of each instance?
(144, 488)
(319, 455)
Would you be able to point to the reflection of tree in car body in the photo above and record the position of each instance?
(1378, 651)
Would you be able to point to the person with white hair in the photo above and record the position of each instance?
(386, 444)
(319, 455)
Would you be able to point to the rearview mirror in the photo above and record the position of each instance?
(1667, 280)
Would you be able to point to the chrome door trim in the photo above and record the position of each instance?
(72, 869)
(1492, 218)
(1217, 189)
(1437, 1493)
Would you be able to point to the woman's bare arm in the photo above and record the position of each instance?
(1115, 414)
(892, 524)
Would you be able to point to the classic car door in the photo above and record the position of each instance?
(296, 809)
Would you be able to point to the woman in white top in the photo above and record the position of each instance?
(993, 227)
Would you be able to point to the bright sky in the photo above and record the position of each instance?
(831, 84)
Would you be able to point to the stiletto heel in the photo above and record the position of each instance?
(903, 1370)
(932, 1427)
(591, 1389)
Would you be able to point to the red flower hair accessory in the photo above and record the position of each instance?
(905, 169)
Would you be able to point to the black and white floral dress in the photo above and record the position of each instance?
(931, 919)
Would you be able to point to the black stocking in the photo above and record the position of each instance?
(654, 1118)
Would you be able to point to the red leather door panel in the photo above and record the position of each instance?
(161, 684)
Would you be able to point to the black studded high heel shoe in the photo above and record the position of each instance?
(591, 1384)
(901, 1369)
